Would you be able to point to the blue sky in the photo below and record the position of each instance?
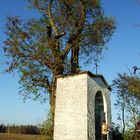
(123, 50)
(13, 109)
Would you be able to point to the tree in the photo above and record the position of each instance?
(65, 31)
(119, 88)
(125, 87)
(2, 128)
(134, 86)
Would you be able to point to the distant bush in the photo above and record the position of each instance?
(131, 135)
(19, 129)
(116, 134)
(2, 128)
(30, 129)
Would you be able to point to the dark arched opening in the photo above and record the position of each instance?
(99, 114)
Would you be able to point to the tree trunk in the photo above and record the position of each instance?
(52, 106)
(123, 119)
(52, 109)
(75, 58)
(52, 102)
(58, 71)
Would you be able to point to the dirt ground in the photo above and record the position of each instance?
(4, 136)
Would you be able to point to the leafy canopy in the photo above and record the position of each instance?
(65, 33)
(127, 90)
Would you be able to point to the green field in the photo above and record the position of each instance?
(5, 136)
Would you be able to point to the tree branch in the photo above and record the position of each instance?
(36, 4)
(77, 33)
(43, 80)
(59, 35)
(66, 50)
(47, 12)
(51, 18)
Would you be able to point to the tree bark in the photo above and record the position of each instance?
(75, 58)
(57, 71)
(52, 99)
(123, 119)
(52, 104)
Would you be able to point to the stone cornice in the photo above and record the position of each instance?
(90, 74)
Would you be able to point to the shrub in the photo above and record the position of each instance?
(46, 127)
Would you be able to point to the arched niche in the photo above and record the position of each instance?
(99, 114)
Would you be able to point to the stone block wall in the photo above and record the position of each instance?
(97, 84)
(75, 106)
(71, 108)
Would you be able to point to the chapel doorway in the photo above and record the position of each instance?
(99, 114)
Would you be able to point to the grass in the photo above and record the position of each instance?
(5, 136)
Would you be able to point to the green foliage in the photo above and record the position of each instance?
(125, 88)
(130, 135)
(127, 135)
(134, 86)
(46, 127)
